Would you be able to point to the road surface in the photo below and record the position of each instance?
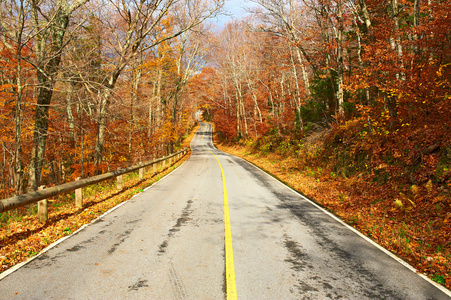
(168, 243)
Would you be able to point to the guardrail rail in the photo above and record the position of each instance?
(43, 194)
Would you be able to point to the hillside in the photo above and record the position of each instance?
(410, 219)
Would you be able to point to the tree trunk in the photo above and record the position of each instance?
(136, 77)
(254, 98)
(101, 127)
(340, 81)
(70, 115)
(304, 72)
(241, 110)
(151, 111)
(18, 172)
(396, 41)
(159, 112)
(45, 92)
(48, 57)
(297, 90)
(365, 13)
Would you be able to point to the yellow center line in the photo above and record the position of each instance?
(230, 267)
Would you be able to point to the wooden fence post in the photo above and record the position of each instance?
(141, 173)
(36, 196)
(119, 182)
(43, 208)
(79, 196)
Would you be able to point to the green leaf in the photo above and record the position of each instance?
(439, 279)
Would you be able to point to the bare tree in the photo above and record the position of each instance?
(138, 23)
(26, 24)
(13, 15)
(50, 23)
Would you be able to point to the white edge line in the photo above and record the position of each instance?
(56, 243)
(392, 255)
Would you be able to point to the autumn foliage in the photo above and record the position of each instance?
(354, 98)
(354, 94)
(87, 88)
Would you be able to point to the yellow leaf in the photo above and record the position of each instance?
(398, 203)
(429, 186)
(414, 189)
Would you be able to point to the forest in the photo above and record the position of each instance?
(90, 86)
(350, 90)
(348, 101)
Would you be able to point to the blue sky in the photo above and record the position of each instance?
(236, 9)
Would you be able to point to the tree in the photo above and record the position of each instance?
(136, 33)
(15, 48)
(49, 24)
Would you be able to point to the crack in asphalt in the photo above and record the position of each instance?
(308, 215)
(125, 235)
(140, 284)
(177, 283)
(184, 218)
(298, 258)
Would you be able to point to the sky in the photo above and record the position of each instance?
(235, 10)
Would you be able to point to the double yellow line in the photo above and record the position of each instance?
(230, 267)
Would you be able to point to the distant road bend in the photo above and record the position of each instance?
(216, 228)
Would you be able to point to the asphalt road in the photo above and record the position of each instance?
(168, 243)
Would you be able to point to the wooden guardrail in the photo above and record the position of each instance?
(43, 194)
